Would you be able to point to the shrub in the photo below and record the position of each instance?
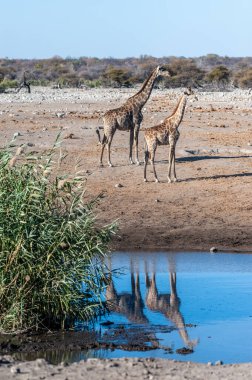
(92, 83)
(116, 77)
(218, 74)
(184, 72)
(7, 83)
(52, 269)
(243, 78)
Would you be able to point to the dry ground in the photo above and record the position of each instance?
(209, 206)
(211, 203)
(117, 369)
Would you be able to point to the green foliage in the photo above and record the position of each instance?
(93, 83)
(116, 77)
(218, 74)
(39, 82)
(52, 269)
(7, 83)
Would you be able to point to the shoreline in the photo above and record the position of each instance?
(129, 368)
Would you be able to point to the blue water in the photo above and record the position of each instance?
(211, 311)
(196, 301)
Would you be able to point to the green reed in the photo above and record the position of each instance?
(52, 269)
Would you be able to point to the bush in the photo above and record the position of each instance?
(184, 72)
(218, 74)
(116, 77)
(92, 83)
(7, 83)
(52, 269)
(243, 78)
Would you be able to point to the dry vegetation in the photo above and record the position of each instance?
(210, 71)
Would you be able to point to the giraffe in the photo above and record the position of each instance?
(165, 133)
(129, 116)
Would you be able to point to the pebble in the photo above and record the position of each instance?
(118, 185)
(16, 134)
(15, 369)
(213, 249)
(60, 114)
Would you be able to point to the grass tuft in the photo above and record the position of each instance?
(52, 269)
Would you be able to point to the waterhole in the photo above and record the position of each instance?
(183, 306)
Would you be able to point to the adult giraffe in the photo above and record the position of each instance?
(129, 116)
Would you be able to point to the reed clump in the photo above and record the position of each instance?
(52, 269)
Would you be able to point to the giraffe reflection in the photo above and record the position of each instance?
(132, 304)
(168, 305)
(129, 304)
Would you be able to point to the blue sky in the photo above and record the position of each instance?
(128, 28)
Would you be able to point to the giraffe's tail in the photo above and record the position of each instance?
(103, 140)
(98, 134)
(146, 153)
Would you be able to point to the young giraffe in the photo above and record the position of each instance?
(129, 116)
(165, 133)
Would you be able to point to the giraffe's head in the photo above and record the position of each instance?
(162, 71)
(189, 92)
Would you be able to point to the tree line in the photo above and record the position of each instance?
(211, 72)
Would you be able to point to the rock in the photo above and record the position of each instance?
(118, 185)
(41, 362)
(60, 114)
(213, 249)
(69, 136)
(16, 134)
(218, 362)
(15, 369)
(106, 323)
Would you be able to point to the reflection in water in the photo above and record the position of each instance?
(132, 305)
(168, 298)
(168, 304)
(129, 304)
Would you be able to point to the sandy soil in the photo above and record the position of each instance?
(211, 203)
(209, 206)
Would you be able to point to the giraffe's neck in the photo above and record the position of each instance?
(176, 118)
(141, 97)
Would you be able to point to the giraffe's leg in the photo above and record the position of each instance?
(104, 142)
(146, 158)
(153, 164)
(171, 156)
(131, 145)
(174, 169)
(136, 133)
(110, 138)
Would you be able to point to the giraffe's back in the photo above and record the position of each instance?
(118, 118)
